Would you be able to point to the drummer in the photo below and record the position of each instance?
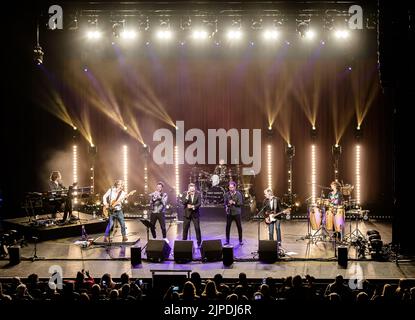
(335, 196)
(221, 169)
(335, 199)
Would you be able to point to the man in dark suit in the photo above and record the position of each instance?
(192, 201)
(233, 206)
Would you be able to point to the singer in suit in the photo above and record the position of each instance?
(233, 206)
(272, 203)
(56, 185)
(192, 201)
(158, 202)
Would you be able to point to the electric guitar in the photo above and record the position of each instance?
(271, 216)
(107, 210)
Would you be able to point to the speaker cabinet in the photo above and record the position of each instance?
(135, 256)
(183, 251)
(342, 256)
(227, 256)
(14, 255)
(268, 251)
(211, 250)
(157, 250)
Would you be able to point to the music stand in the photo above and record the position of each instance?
(148, 225)
(258, 217)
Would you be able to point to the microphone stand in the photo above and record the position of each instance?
(254, 253)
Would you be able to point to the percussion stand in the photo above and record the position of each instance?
(315, 237)
(308, 235)
(356, 233)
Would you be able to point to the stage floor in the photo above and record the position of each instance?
(302, 257)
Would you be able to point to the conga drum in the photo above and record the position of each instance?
(339, 219)
(315, 218)
(329, 219)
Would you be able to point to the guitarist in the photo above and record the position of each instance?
(273, 204)
(112, 200)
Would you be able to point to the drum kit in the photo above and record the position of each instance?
(213, 185)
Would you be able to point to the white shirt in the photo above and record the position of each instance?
(111, 195)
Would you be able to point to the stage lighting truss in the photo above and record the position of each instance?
(236, 23)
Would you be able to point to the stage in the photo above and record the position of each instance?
(301, 255)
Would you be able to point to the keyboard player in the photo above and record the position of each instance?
(65, 203)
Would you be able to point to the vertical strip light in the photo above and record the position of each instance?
(75, 163)
(358, 158)
(176, 168)
(125, 166)
(145, 176)
(269, 165)
(313, 174)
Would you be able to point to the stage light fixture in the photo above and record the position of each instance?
(75, 163)
(94, 34)
(269, 165)
(357, 174)
(128, 34)
(200, 34)
(38, 53)
(256, 24)
(313, 132)
(341, 34)
(290, 150)
(176, 169)
(125, 167)
(234, 34)
(270, 35)
(313, 174)
(336, 150)
(117, 28)
(310, 34)
(164, 32)
(270, 131)
(358, 133)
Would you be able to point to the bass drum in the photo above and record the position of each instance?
(215, 195)
(315, 218)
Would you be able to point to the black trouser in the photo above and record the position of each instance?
(66, 205)
(67, 209)
(229, 219)
(162, 220)
(196, 223)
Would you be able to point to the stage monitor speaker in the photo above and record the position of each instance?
(157, 250)
(211, 250)
(227, 256)
(14, 255)
(135, 255)
(342, 256)
(183, 251)
(268, 251)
